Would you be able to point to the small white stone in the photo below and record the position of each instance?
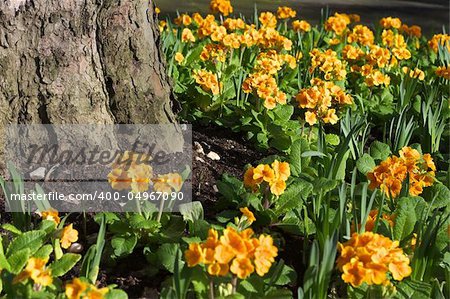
(38, 173)
(215, 188)
(198, 148)
(213, 156)
(199, 159)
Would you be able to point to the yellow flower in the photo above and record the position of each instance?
(337, 23)
(221, 6)
(301, 26)
(242, 267)
(51, 215)
(157, 10)
(35, 270)
(263, 171)
(377, 78)
(217, 269)
(285, 12)
(362, 35)
(416, 73)
(443, 72)
(281, 169)
(68, 236)
(194, 255)
(390, 22)
(183, 19)
(208, 81)
(76, 288)
(248, 214)
(179, 57)
(311, 118)
(95, 293)
(187, 36)
(268, 19)
(265, 254)
(390, 174)
(367, 257)
(439, 39)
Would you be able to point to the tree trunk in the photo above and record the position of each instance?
(81, 61)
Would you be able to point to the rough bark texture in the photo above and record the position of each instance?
(81, 61)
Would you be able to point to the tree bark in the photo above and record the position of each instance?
(81, 61)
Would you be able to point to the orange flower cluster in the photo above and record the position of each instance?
(131, 171)
(183, 19)
(68, 236)
(268, 19)
(390, 22)
(379, 56)
(444, 72)
(414, 73)
(274, 176)
(319, 99)
(301, 26)
(79, 289)
(187, 36)
(214, 52)
(328, 63)
(361, 35)
(413, 30)
(236, 252)
(396, 42)
(368, 257)
(263, 82)
(221, 6)
(265, 86)
(285, 12)
(377, 78)
(234, 24)
(208, 81)
(372, 218)
(168, 182)
(271, 38)
(350, 53)
(391, 173)
(337, 23)
(439, 39)
(37, 271)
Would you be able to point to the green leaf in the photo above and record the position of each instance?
(44, 252)
(11, 228)
(283, 113)
(332, 139)
(379, 150)
(365, 164)
(323, 185)
(116, 294)
(18, 260)
(123, 245)
(279, 294)
(409, 288)
(293, 197)
(138, 221)
(296, 161)
(406, 216)
(166, 255)
(32, 240)
(191, 211)
(439, 194)
(64, 264)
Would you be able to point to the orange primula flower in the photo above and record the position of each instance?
(391, 173)
(284, 12)
(301, 26)
(236, 252)
(368, 257)
(221, 6)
